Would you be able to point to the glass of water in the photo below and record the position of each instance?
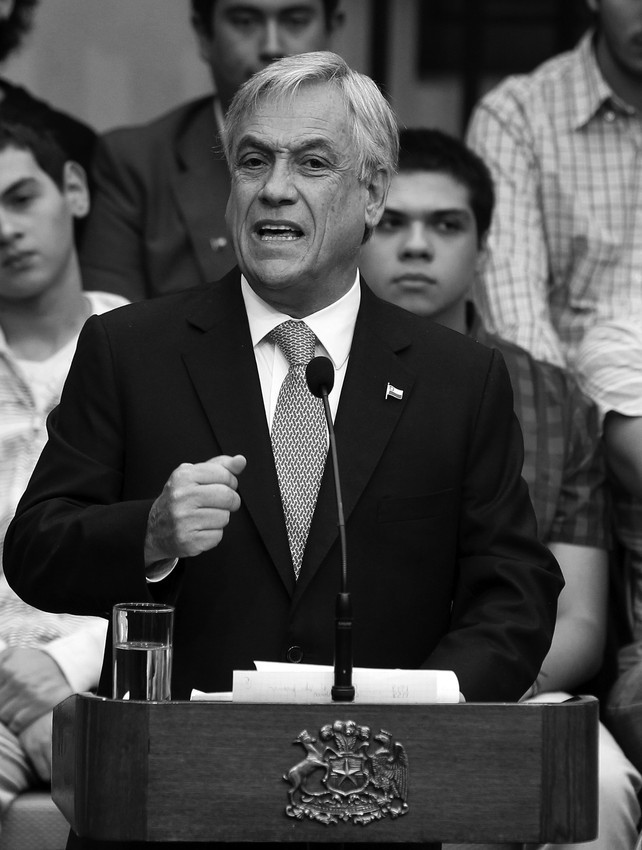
(142, 650)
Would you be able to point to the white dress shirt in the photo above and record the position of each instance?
(333, 327)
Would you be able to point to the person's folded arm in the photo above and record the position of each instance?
(580, 632)
(31, 684)
(80, 654)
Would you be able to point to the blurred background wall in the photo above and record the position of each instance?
(114, 62)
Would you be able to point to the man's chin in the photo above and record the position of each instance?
(276, 275)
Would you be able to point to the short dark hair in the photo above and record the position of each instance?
(17, 25)
(423, 149)
(40, 142)
(202, 13)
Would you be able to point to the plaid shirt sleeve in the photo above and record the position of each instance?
(581, 515)
(564, 464)
(513, 296)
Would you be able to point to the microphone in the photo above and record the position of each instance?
(319, 374)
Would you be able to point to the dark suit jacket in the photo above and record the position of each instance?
(445, 568)
(157, 221)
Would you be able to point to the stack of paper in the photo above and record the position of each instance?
(272, 682)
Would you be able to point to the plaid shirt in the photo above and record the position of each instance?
(565, 245)
(563, 460)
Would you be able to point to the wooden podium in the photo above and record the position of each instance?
(207, 771)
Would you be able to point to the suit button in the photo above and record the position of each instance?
(294, 654)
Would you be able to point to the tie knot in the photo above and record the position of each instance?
(296, 341)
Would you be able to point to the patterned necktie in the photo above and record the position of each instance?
(299, 440)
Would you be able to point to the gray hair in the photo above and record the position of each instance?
(374, 128)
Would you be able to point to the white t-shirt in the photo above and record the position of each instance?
(29, 390)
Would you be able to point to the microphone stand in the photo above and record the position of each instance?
(342, 689)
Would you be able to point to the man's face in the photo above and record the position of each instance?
(36, 225)
(249, 34)
(297, 212)
(424, 253)
(620, 40)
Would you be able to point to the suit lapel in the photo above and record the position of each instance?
(222, 367)
(364, 423)
(201, 188)
(221, 364)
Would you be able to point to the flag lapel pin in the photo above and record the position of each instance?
(393, 392)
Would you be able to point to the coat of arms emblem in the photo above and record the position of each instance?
(348, 774)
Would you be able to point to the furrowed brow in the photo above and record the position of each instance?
(317, 143)
(254, 143)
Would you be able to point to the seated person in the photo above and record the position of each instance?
(43, 657)
(424, 256)
(609, 367)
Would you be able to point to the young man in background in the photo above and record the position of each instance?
(424, 256)
(44, 657)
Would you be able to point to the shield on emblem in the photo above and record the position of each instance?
(348, 773)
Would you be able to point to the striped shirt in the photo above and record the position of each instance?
(563, 458)
(566, 244)
(609, 365)
(28, 392)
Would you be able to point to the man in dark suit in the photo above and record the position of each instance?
(174, 396)
(163, 477)
(157, 223)
(160, 480)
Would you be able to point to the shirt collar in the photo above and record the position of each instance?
(590, 91)
(333, 326)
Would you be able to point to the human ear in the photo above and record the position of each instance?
(74, 185)
(482, 257)
(377, 190)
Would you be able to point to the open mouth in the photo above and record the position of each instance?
(278, 232)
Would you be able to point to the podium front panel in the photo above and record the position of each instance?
(206, 771)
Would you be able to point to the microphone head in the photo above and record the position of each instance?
(319, 374)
